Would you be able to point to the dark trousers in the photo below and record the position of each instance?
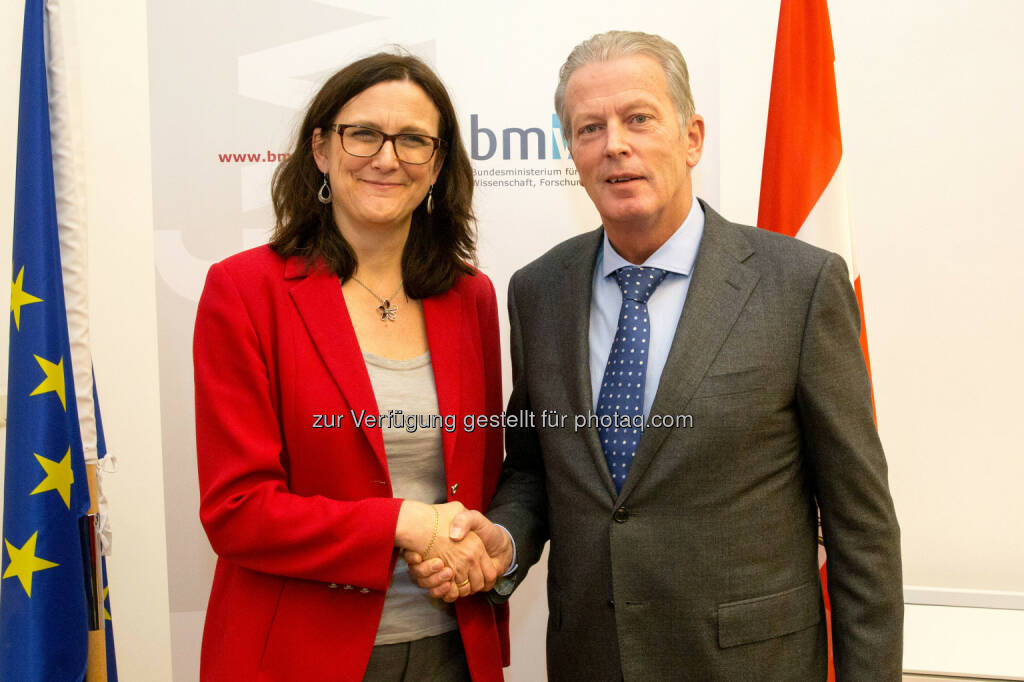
(440, 658)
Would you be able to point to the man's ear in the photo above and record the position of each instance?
(318, 142)
(694, 136)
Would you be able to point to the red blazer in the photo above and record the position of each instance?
(302, 518)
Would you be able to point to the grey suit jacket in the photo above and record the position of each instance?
(705, 566)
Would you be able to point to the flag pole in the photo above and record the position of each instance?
(96, 671)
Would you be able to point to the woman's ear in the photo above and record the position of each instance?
(319, 142)
(438, 164)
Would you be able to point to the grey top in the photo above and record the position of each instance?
(412, 443)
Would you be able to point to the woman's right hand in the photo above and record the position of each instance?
(472, 570)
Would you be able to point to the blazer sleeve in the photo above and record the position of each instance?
(490, 340)
(858, 520)
(520, 504)
(250, 515)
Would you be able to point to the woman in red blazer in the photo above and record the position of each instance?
(367, 266)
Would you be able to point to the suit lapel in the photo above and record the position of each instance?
(443, 315)
(577, 289)
(720, 288)
(321, 306)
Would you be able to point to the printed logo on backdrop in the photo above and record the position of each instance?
(488, 147)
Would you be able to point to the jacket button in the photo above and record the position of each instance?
(620, 515)
(346, 587)
(333, 586)
(455, 487)
(364, 590)
(611, 603)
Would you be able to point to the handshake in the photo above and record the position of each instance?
(451, 551)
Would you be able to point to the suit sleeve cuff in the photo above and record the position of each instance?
(514, 566)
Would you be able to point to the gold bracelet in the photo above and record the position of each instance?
(434, 536)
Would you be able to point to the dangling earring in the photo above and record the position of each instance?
(324, 195)
(430, 200)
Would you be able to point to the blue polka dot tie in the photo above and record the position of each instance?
(620, 405)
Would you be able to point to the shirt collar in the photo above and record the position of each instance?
(677, 254)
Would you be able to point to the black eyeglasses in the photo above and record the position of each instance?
(409, 147)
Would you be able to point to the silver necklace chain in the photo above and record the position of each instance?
(386, 310)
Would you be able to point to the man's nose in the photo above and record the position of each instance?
(616, 140)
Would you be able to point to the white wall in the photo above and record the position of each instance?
(114, 82)
(930, 102)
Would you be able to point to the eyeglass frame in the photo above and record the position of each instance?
(385, 138)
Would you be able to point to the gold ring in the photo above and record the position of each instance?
(463, 583)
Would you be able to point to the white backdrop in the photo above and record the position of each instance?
(226, 102)
(930, 102)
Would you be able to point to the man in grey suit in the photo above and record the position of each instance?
(686, 551)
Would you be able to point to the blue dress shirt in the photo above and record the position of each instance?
(677, 256)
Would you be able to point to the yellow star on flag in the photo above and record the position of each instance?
(59, 477)
(20, 297)
(54, 380)
(24, 563)
(106, 594)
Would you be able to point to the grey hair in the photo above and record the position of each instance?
(611, 45)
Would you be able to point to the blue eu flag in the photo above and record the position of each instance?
(43, 612)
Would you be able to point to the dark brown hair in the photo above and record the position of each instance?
(440, 244)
